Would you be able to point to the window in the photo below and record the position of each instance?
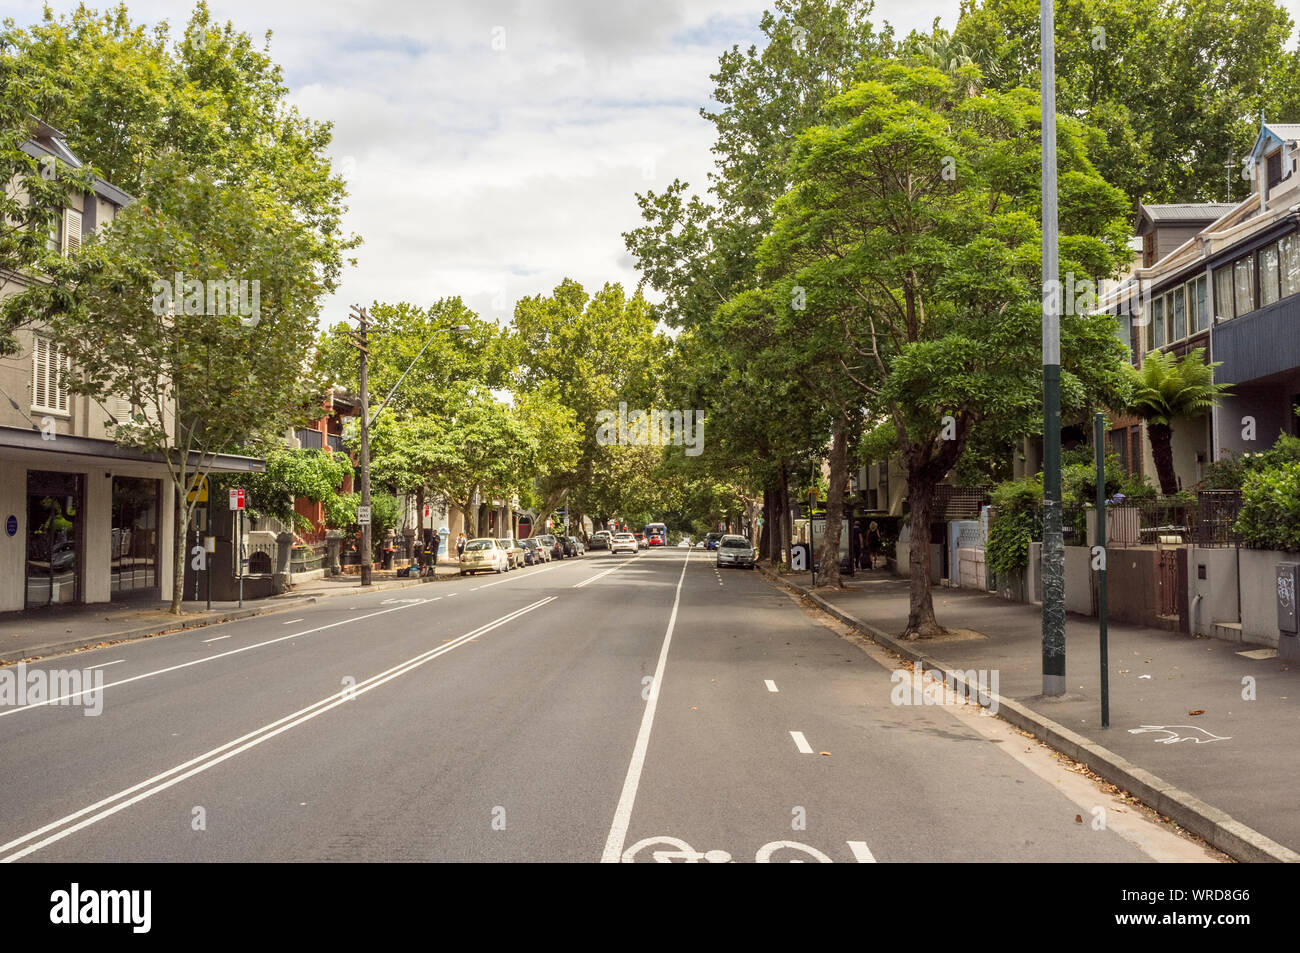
(71, 232)
(49, 377)
(1200, 305)
(1223, 293)
(1158, 322)
(1289, 264)
(1179, 312)
(1243, 284)
(1275, 168)
(1268, 275)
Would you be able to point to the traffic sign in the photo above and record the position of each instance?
(236, 499)
(198, 491)
(363, 515)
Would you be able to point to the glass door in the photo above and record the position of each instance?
(54, 538)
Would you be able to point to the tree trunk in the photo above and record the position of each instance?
(1162, 451)
(419, 529)
(828, 563)
(765, 532)
(178, 550)
(783, 501)
(921, 623)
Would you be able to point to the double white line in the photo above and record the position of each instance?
(109, 806)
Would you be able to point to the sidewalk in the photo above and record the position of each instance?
(1227, 773)
(38, 633)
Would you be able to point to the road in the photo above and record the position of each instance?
(645, 707)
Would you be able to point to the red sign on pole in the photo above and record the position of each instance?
(236, 499)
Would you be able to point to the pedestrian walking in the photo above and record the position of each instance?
(435, 541)
(874, 543)
(460, 545)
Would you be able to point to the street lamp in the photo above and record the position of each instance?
(363, 320)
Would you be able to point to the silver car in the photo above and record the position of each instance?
(735, 551)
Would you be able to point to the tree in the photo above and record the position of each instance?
(198, 382)
(920, 202)
(1165, 388)
(1174, 87)
(291, 475)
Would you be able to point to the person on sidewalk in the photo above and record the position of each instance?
(874, 544)
(435, 541)
(460, 546)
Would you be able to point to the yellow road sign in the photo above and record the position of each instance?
(198, 491)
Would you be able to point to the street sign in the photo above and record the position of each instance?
(198, 491)
(363, 515)
(236, 499)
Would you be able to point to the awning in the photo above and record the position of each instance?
(81, 451)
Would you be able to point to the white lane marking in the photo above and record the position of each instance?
(207, 658)
(291, 621)
(623, 813)
(860, 852)
(450, 594)
(207, 760)
(217, 639)
(579, 585)
(771, 685)
(106, 664)
(474, 589)
(801, 742)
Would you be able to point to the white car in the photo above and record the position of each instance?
(484, 555)
(623, 542)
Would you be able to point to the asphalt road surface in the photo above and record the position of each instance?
(614, 708)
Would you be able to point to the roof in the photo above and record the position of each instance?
(1188, 211)
(1286, 131)
(46, 140)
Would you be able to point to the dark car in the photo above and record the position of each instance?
(711, 540)
(579, 547)
(553, 544)
(532, 554)
(569, 545)
(599, 540)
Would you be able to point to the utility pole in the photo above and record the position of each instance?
(1053, 564)
(362, 343)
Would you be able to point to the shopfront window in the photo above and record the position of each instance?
(133, 559)
(54, 538)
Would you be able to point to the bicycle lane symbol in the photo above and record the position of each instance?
(666, 850)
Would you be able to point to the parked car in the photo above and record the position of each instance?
(711, 540)
(552, 544)
(578, 546)
(515, 551)
(599, 540)
(529, 546)
(623, 542)
(735, 551)
(542, 549)
(483, 555)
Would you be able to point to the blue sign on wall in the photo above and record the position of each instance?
(11, 525)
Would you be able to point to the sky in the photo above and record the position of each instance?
(493, 148)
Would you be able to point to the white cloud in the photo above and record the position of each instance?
(486, 173)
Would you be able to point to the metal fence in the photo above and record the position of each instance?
(1209, 521)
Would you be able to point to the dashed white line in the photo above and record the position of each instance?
(106, 664)
(801, 742)
(217, 639)
(860, 852)
(291, 622)
(771, 685)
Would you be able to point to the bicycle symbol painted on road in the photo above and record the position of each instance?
(667, 850)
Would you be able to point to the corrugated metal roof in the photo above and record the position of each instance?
(1189, 212)
(1286, 131)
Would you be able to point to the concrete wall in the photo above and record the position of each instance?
(1078, 580)
(1217, 591)
(1259, 594)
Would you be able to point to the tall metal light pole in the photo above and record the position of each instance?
(1053, 564)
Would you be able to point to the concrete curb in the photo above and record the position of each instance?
(1216, 827)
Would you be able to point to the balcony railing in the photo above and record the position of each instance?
(309, 439)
